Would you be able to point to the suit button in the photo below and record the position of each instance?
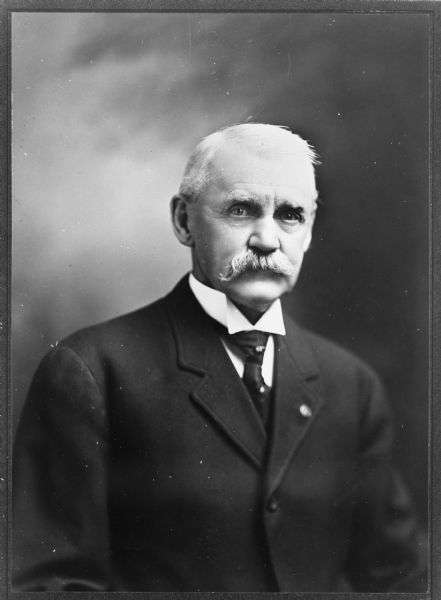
(272, 504)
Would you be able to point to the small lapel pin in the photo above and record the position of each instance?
(305, 411)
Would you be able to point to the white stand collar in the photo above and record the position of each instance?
(218, 306)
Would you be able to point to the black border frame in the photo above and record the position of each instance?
(430, 7)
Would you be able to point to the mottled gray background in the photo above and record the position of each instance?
(106, 108)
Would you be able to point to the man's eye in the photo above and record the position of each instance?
(239, 211)
(289, 214)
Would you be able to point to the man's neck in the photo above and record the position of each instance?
(252, 314)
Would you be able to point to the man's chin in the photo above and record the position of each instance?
(257, 292)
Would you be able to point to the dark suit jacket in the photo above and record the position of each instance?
(141, 464)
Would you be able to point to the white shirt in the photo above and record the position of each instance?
(219, 307)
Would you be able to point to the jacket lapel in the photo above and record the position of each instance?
(296, 402)
(217, 388)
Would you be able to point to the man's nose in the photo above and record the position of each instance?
(264, 236)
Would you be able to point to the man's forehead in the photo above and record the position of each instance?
(232, 167)
(253, 190)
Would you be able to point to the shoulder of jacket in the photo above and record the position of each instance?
(99, 345)
(112, 330)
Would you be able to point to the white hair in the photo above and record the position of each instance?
(259, 138)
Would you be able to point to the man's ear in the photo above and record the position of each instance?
(179, 217)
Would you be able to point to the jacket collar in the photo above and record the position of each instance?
(218, 390)
(297, 401)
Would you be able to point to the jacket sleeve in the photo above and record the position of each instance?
(388, 550)
(60, 535)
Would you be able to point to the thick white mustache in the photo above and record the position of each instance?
(248, 261)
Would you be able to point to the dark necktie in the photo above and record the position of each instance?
(253, 344)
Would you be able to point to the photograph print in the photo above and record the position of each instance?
(220, 301)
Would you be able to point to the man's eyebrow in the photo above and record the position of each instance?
(240, 195)
(289, 204)
(255, 200)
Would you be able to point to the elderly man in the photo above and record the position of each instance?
(206, 442)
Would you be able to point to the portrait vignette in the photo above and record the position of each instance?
(431, 248)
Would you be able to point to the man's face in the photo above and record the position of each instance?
(254, 203)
